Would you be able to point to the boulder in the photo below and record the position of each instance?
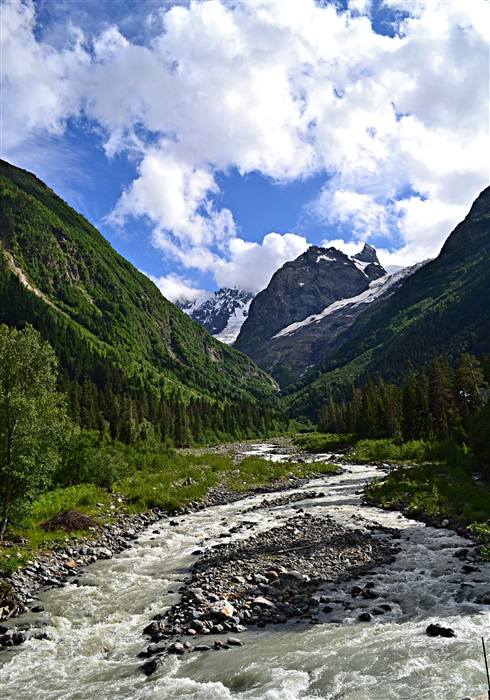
(438, 631)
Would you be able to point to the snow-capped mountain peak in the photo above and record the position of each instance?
(222, 313)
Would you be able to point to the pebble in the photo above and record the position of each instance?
(274, 577)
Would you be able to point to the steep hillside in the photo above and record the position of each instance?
(108, 323)
(443, 307)
(306, 344)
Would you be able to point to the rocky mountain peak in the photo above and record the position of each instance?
(368, 254)
(222, 312)
(303, 287)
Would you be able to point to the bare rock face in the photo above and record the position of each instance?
(302, 288)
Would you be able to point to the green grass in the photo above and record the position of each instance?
(443, 489)
(325, 442)
(418, 451)
(168, 480)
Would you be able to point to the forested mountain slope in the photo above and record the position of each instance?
(444, 307)
(114, 332)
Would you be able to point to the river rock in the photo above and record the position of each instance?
(222, 610)
(234, 642)
(18, 638)
(364, 617)
(151, 666)
(264, 603)
(438, 631)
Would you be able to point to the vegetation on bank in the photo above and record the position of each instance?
(145, 478)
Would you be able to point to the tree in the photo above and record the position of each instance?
(32, 417)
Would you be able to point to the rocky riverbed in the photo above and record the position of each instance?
(319, 595)
(271, 578)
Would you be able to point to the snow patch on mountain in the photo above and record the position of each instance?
(235, 322)
(222, 313)
(376, 288)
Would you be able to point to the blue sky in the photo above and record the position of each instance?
(212, 141)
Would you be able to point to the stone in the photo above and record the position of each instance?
(234, 642)
(176, 648)
(38, 609)
(104, 553)
(438, 631)
(263, 603)
(364, 617)
(202, 647)
(272, 575)
(151, 666)
(18, 638)
(153, 628)
(222, 610)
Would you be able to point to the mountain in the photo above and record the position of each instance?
(443, 308)
(222, 313)
(124, 350)
(300, 289)
(305, 344)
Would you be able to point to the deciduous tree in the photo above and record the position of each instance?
(32, 417)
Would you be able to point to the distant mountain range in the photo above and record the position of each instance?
(222, 313)
(443, 307)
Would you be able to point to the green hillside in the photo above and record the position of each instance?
(442, 308)
(126, 353)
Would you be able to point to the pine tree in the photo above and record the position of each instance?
(445, 417)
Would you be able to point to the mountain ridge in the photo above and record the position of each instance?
(109, 324)
(304, 287)
(441, 308)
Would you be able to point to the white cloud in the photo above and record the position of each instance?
(251, 265)
(175, 288)
(286, 89)
(360, 6)
(364, 216)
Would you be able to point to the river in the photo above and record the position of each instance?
(95, 629)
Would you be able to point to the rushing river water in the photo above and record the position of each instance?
(95, 629)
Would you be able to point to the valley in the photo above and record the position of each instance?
(93, 631)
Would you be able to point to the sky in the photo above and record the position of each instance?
(212, 141)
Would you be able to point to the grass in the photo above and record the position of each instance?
(443, 489)
(413, 451)
(167, 480)
(325, 442)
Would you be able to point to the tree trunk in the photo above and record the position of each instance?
(8, 489)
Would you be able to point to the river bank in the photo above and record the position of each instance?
(65, 564)
(87, 640)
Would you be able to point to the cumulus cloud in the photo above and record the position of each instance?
(251, 265)
(286, 89)
(175, 288)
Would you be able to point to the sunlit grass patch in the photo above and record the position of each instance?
(435, 489)
(325, 442)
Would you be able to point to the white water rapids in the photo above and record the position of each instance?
(95, 629)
